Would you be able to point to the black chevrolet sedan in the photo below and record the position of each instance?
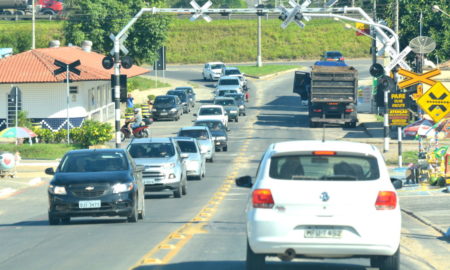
(96, 182)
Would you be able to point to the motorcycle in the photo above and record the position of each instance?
(141, 131)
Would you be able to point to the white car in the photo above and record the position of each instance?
(195, 162)
(235, 72)
(331, 199)
(212, 112)
(204, 139)
(212, 70)
(229, 82)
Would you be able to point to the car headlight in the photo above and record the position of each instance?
(118, 188)
(233, 111)
(221, 138)
(172, 176)
(58, 190)
(169, 165)
(173, 110)
(241, 106)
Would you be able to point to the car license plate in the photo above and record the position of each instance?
(323, 233)
(163, 113)
(90, 204)
(149, 181)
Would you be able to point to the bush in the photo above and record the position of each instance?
(45, 135)
(151, 97)
(92, 133)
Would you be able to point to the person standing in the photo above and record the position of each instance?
(130, 101)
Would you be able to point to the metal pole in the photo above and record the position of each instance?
(117, 88)
(397, 12)
(374, 47)
(163, 65)
(259, 58)
(67, 102)
(17, 110)
(33, 26)
(156, 73)
(386, 122)
(400, 158)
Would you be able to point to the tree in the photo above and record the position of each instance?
(96, 20)
(434, 25)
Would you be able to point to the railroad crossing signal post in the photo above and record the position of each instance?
(63, 67)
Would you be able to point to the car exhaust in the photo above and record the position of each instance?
(288, 255)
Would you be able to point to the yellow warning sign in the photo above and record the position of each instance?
(435, 102)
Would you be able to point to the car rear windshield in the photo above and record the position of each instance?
(216, 125)
(94, 162)
(181, 95)
(217, 66)
(164, 101)
(151, 150)
(198, 134)
(229, 82)
(187, 146)
(210, 111)
(324, 167)
(232, 72)
(334, 55)
(224, 102)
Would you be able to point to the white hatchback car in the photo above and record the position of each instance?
(212, 70)
(217, 112)
(331, 199)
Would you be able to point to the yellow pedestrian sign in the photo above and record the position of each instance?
(436, 102)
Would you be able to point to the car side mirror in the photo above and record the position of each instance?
(194, 114)
(244, 181)
(397, 183)
(184, 155)
(50, 171)
(140, 168)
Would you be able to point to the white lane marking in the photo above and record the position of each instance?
(6, 191)
(35, 181)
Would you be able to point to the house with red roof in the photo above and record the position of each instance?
(45, 97)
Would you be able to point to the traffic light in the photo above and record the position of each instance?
(123, 87)
(385, 83)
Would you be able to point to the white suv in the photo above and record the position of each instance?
(216, 112)
(331, 199)
(212, 70)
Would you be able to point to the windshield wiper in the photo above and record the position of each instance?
(303, 177)
(338, 177)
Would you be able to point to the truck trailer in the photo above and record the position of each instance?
(21, 7)
(331, 91)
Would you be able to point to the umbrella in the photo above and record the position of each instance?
(419, 128)
(17, 132)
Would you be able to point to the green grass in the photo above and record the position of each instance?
(142, 83)
(221, 40)
(265, 69)
(39, 150)
(408, 157)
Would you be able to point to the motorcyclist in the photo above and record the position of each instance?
(136, 121)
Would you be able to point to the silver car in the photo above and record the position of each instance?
(196, 161)
(204, 138)
(164, 164)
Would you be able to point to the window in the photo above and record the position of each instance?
(326, 168)
(73, 89)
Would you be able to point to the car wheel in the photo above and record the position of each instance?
(52, 220)
(65, 220)
(177, 192)
(134, 214)
(204, 77)
(141, 214)
(255, 261)
(225, 148)
(387, 262)
(236, 119)
(211, 159)
(245, 114)
(211, 78)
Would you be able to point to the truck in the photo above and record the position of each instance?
(331, 92)
(21, 7)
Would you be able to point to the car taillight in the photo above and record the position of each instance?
(348, 110)
(317, 110)
(262, 198)
(386, 200)
(324, 153)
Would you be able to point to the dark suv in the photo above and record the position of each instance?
(184, 98)
(190, 92)
(167, 107)
(96, 182)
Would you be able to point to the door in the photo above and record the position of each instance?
(302, 84)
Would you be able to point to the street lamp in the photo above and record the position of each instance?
(436, 8)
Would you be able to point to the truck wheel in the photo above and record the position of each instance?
(48, 12)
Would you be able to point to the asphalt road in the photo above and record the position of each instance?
(206, 228)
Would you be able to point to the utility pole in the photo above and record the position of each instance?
(33, 26)
(259, 58)
(374, 46)
(397, 12)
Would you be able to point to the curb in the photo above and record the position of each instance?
(425, 221)
(268, 76)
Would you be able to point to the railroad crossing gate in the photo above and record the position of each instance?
(435, 102)
(414, 78)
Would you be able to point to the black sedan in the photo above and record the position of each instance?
(96, 182)
(218, 131)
